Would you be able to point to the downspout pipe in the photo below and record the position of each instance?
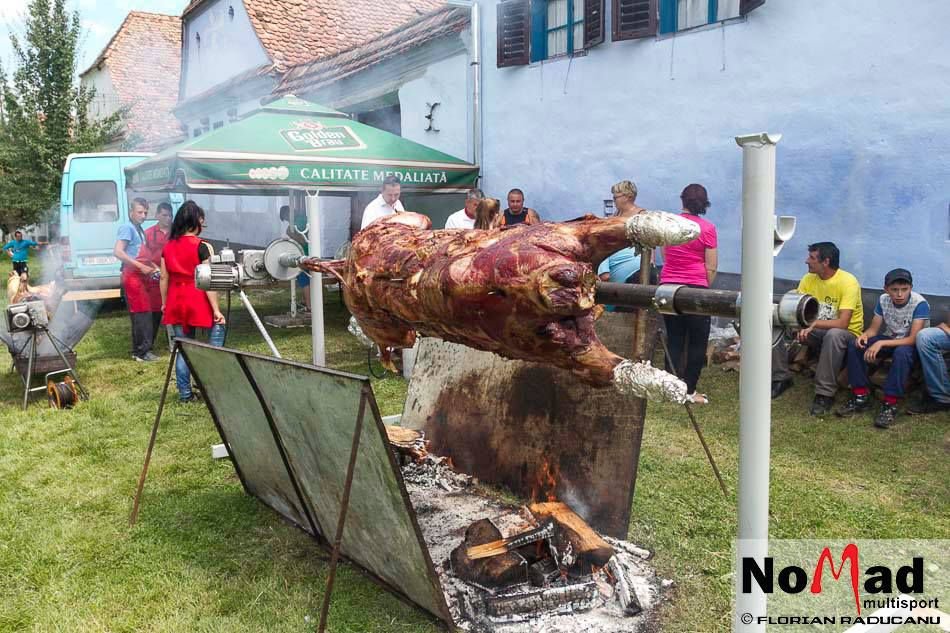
(475, 23)
(755, 370)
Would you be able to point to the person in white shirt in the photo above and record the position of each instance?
(386, 203)
(465, 218)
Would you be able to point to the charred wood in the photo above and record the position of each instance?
(509, 568)
(625, 592)
(525, 605)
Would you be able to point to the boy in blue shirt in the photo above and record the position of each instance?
(899, 315)
(19, 251)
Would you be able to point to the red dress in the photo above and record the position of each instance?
(185, 305)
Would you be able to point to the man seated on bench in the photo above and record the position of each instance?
(898, 317)
(840, 320)
(932, 344)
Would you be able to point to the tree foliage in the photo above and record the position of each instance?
(45, 113)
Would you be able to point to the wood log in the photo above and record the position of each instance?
(506, 569)
(578, 546)
(406, 441)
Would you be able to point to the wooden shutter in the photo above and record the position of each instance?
(634, 19)
(594, 24)
(514, 32)
(745, 6)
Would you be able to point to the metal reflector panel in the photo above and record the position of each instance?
(245, 429)
(277, 415)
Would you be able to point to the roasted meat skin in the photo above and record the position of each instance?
(524, 292)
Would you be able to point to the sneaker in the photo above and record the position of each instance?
(138, 359)
(855, 404)
(190, 399)
(150, 357)
(927, 405)
(821, 405)
(885, 417)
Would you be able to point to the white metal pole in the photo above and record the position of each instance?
(316, 280)
(755, 375)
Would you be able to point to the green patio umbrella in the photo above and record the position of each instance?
(295, 144)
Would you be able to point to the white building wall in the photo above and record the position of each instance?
(106, 101)
(446, 82)
(228, 46)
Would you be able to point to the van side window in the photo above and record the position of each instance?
(95, 201)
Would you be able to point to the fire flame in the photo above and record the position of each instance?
(545, 485)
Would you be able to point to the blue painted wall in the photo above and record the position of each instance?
(860, 90)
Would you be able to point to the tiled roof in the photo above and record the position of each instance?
(305, 77)
(296, 32)
(143, 60)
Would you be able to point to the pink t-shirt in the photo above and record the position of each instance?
(686, 263)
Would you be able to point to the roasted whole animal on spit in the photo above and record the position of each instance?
(524, 292)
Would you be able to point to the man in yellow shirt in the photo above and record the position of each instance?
(840, 320)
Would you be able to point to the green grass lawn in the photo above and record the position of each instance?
(206, 557)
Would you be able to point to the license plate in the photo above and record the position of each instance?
(104, 260)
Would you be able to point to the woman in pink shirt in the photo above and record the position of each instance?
(693, 264)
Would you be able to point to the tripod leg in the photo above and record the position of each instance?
(72, 370)
(29, 369)
(151, 439)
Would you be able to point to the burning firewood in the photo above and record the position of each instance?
(408, 442)
(578, 546)
(500, 546)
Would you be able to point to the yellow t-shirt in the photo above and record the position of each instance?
(841, 292)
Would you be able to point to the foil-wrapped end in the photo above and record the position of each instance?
(355, 329)
(651, 229)
(643, 380)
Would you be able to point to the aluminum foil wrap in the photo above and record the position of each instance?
(643, 380)
(355, 329)
(651, 229)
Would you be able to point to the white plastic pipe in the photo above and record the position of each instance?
(316, 280)
(755, 375)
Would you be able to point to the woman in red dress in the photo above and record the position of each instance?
(185, 306)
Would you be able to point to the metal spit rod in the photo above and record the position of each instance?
(790, 310)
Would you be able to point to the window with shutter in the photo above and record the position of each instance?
(514, 30)
(634, 19)
(593, 23)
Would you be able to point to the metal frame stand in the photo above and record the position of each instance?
(344, 501)
(33, 342)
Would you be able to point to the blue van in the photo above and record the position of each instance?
(94, 202)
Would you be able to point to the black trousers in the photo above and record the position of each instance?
(145, 326)
(689, 334)
(21, 267)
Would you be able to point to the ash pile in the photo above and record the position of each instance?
(523, 568)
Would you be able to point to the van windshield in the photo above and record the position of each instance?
(95, 201)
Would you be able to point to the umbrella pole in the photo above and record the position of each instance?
(316, 281)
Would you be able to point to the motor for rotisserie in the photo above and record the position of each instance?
(25, 316)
